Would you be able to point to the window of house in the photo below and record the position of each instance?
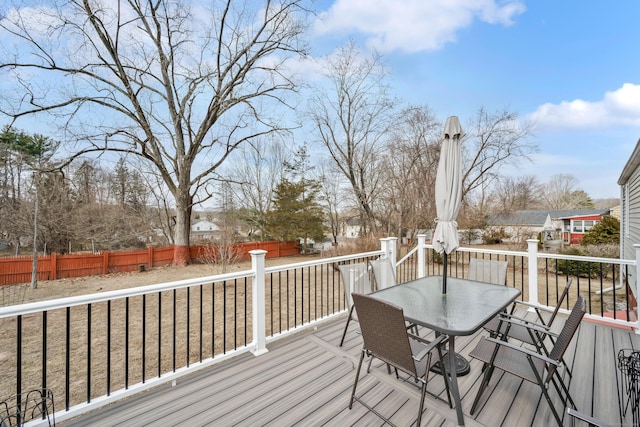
(582, 226)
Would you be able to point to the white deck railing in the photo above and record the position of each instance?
(140, 337)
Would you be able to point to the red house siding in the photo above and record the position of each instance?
(575, 237)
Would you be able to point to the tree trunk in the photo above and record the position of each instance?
(34, 266)
(182, 230)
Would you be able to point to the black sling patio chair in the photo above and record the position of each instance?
(355, 278)
(530, 365)
(384, 276)
(385, 337)
(488, 271)
(534, 333)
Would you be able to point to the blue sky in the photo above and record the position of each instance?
(572, 67)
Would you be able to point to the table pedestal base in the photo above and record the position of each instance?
(462, 365)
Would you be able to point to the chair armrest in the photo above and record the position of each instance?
(526, 304)
(431, 345)
(586, 418)
(532, 326)
(523, 350)
(522, 320)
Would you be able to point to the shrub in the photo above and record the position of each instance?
(221, 254)
(494, 236)
(605, 231)
(587, 268)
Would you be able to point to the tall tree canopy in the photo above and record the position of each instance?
(180, 84)
(351, 116)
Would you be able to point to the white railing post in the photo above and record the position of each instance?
(422, 241)
(532, 251)
(389, 246)
(258, 302)
(635, 287)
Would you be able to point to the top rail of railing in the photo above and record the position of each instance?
(54, 304)
(337, 259)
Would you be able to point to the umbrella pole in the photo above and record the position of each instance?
(444, 274)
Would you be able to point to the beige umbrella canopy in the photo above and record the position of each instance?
(448, 192)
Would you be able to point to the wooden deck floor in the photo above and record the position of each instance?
(306, 380)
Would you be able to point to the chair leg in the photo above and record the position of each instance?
(550, 403)
(488, 370)
(423, 392)
(355, 383)
(344, 333)
(545, 392)
(444, 376)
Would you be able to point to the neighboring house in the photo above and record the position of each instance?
(615, 212)
(203, 229)
(574, 227)
(351, 228)
(566, 225)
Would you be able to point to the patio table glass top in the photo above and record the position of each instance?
(463, 310)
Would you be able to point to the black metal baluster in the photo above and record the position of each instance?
(18, 358)
(44, 349)
(188, 322)
(159, 334)
(126, 343)
(224, 317)
(213, 320)
(67, 361)
(201, 326)
(108, 347)
(144, 336)
(174, 330)
(235, 314)
(88, 354)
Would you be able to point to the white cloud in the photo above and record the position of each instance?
(620, 107)
(413, 25)
(37, 20)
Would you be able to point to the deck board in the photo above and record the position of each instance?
(306, 380)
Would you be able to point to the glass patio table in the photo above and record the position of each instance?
(463, 310)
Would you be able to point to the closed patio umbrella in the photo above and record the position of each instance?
(448, 192)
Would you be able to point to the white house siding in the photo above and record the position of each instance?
(629, 182)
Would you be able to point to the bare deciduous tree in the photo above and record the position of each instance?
(516, 193)
(351, 115)
(257, 170)
(492, 141)
(330, 197)
(408, 201)
(173, 82)
(560, 192)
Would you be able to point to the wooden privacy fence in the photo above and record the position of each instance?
(14, 270)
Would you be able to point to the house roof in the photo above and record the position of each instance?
(538, 217)
(631, 166)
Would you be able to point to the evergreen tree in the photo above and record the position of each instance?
(296, 212)
(605, 231)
